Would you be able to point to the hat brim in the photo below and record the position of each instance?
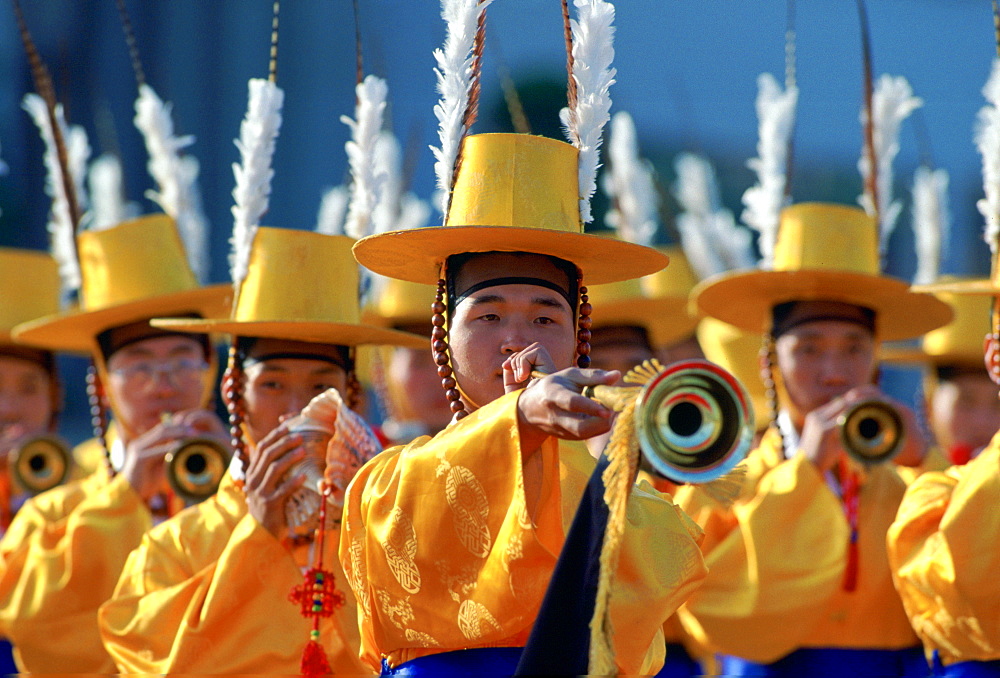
(982, 287)
(340, 334)
(77, 330)
(914, 356)
(417, 254)
(665, 319)
(746, 299)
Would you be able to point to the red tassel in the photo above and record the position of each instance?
(851, 573)
(314, 661)
(960, 454)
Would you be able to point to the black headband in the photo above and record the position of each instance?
(785, 316)
(292, 355)
(116, 338)
(45, 359)
(514, 280)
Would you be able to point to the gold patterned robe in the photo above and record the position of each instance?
(442, 553)
(207, 592)
(59, 561)
(946, 560)
(777, 560)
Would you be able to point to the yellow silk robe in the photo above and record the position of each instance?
(207, 592)
(442, 553)
(777, 560)
(946, 560)
(59, 561)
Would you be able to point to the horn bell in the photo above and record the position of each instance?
(871, 432)
(40, 463)
(195, 468)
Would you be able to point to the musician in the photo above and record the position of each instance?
(941, 545)
(64, 550)
(799, 582)
(449, 541)
(175, 607)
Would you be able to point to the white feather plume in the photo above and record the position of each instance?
(333, 211)
(454, 81)
(628, 181)
(397, 209)
(108, 205)
(258, 132)
(593, 52)
(176, 176)
(765, 200)
(988, 143)
(62, 230)
(366, 182)
(892, 103)
(711, 239)
(931, 221)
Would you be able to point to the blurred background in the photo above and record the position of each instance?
(687, 72)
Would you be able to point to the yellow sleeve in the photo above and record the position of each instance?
(943, 553)
(442, 552)
(773, 560)
(933, 461)
(180, 607)
(70, 552)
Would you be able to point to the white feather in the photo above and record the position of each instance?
(253, 174)
(988, 142)
(397, 209)
(454, 81)
(176, 176)
(333, 211)
(710, 237)
(892, 103)
(765, 200)
(931, 221)
(62, 230)
(628, 181)
(108, 206)
(366, 182)
(593, 52)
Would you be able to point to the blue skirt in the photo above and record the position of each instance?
(7, 665)
(679, 663)
(485, 662)
(989, 669)
(833, 663)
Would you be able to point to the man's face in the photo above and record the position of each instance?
(823, 359)
(685, 349)
(965, 410)
(155, 376)
(26, 397)
(621, 348)
(276, 387)
(413, 374)
(495, 322)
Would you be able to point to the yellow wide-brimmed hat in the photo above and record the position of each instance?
(130, 272)
(301, 286)
(29, 285)
(738, 351)
(400, 302)
(960, 342)
(823, 252)
(513, 193)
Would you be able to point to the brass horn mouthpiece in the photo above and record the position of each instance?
(195, 468)
(871, 432)
(40, 463)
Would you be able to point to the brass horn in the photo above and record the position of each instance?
(195, 468)
(40, 463)
(694, 420)
(871, 432)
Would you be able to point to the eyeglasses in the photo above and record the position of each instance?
(179, 372)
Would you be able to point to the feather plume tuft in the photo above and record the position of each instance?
(253, 175)
(366, 182)
(456, 82)
(765, 200)
(107, 195)
(61, 226)
(333, 211)
(176, 176)
(630, 184)
(892, 103)
(931, 221)
(711, 239)
(593, 52)
(988, 143)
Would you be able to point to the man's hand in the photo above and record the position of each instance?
(518, 367)
(267, 488)
(554, 406)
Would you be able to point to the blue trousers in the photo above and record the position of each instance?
(990, 669)
(679, 663)
(482, 662)
(833, 663)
